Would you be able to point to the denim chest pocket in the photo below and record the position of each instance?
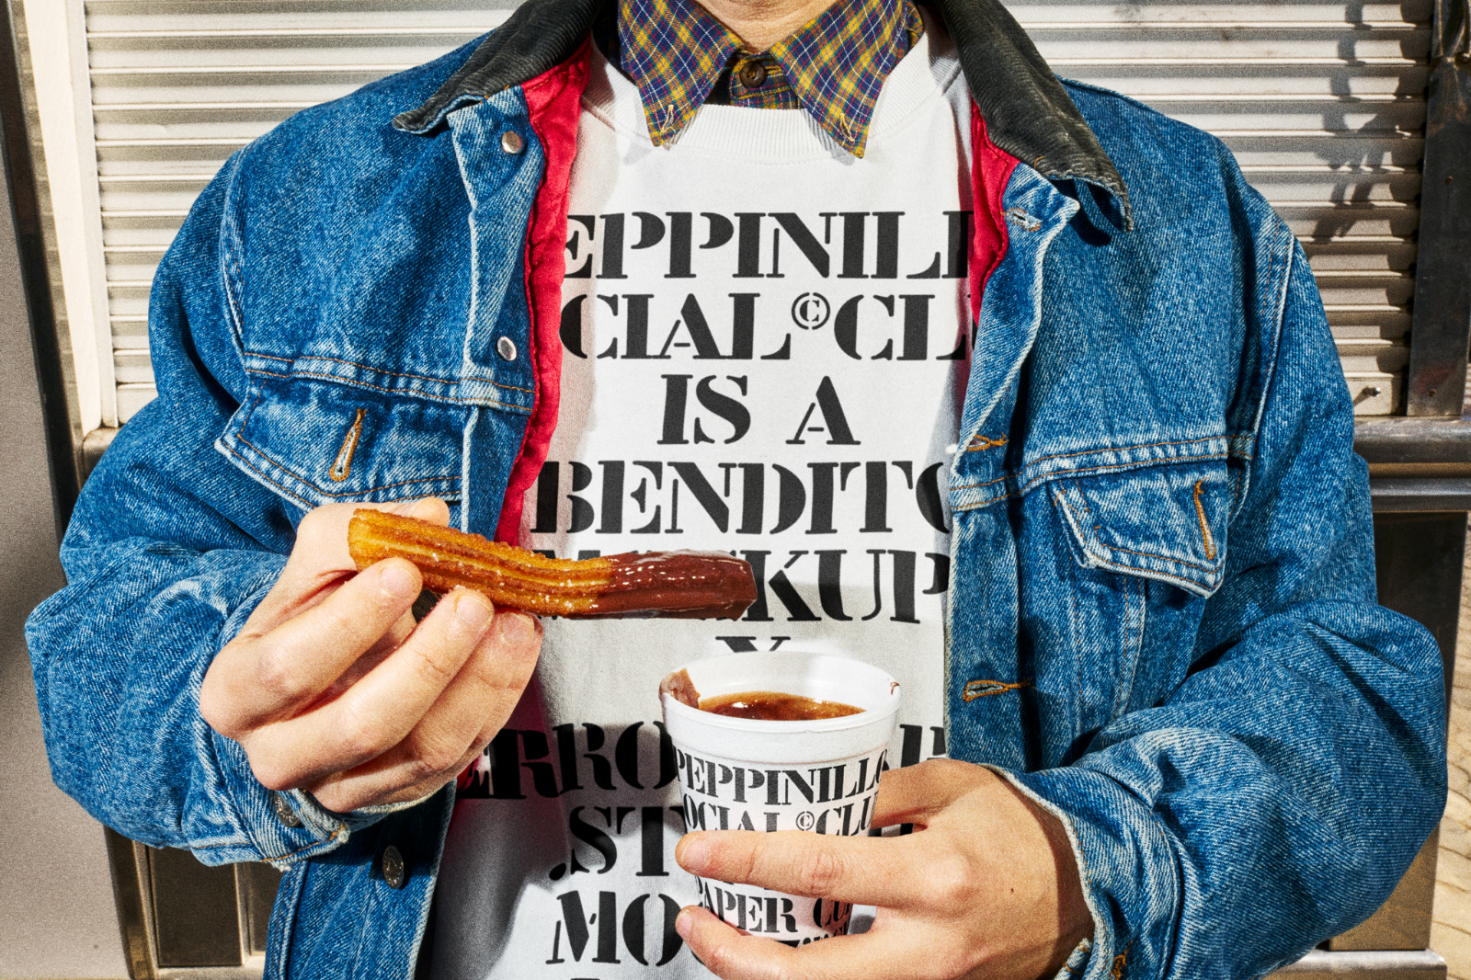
(1147, 547)
(318, 442)
(1163, 522)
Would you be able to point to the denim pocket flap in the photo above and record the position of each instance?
(316, 442)
(1162, 522)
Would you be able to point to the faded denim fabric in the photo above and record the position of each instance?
(1163, 616)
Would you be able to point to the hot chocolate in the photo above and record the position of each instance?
(775, 706)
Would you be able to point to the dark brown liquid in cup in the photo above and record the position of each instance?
(773, 706)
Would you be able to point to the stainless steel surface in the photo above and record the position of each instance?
(1442, 324)
(256, 886)
(1420, 494)
(195, 917)
(1378, 965)
(1403, 442)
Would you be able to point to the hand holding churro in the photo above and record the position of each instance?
(332, 687)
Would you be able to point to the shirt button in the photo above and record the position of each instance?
(393, 867)
(512, 142)
(752, 74)
(506, 348)
(284, 813)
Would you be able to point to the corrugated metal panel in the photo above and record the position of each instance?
(1323, 105)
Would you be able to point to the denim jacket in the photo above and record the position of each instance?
(1162, 611)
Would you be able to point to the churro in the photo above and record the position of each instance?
(671, 584)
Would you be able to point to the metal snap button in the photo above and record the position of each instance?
(393, 867)
(284, 813)
(512, 142)
(506, 348)
(752, 74)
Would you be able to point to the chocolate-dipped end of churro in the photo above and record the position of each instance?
(679, 584)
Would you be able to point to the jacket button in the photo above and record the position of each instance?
(506, 348)
(392, 864)
(512, 142)
(284, 813)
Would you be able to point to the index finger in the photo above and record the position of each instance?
(263, 677)
(861, 870)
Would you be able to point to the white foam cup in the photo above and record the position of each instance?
(818, 775)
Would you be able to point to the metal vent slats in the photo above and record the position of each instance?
(1322, 104)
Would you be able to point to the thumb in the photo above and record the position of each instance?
(319, 559)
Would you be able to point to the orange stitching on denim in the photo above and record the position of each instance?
(369, 367)
(1117, 970)
(982, 443)
(1124, 449)
(266, 476)
(1150, 554)
(1140, 464)
(342, 465)
(1062, 499)
(368, 384)
(974, 690)
(1205, 527)
(328, 493)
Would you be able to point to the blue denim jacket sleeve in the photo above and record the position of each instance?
(169, 551)
(1291, 776)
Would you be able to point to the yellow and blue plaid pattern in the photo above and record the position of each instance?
(681, 57)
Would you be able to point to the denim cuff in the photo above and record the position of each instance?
(281, 828)
(1128, 867)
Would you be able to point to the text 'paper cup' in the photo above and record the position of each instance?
(818, 775)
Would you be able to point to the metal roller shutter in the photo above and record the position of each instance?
(1322, 103)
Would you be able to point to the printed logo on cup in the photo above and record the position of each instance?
(833, 798)
(812, 775)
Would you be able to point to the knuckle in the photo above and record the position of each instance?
(431, 758)
(277, 675)
(359, 738)
(819, 870)
(429, 664)
(952, 883)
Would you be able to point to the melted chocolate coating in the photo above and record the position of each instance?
(677, 585)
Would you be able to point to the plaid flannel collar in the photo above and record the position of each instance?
(676, 54)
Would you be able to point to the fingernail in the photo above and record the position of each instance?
(516, 628)
(692, 853)
(399, 579)
(684, 924)
(473, 611)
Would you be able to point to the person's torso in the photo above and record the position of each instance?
(763, 344)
